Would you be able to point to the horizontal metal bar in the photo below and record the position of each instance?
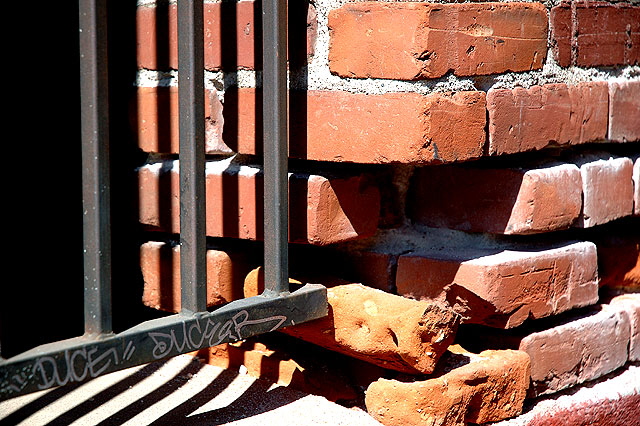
(82, 358)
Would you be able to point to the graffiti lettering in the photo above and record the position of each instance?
(77, 365)
(212, 332)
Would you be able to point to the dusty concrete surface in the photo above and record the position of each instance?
(181, 391)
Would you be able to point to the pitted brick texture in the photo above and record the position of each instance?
(487, 387)
(410, 41)
(386, 330)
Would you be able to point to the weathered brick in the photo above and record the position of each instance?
(485, 387)
(160, 267)
(607, 189)
(552, 114)
(630, 303)
(386, 330)
(618, 411)
(578, 349)
(595, 33)
(328, 126)
(624, 110)
(232, 35)
(609, 401)
(497, 200)
(322, 210)
(411, 41)
(502, 287)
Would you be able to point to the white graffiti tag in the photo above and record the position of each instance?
(213, 333)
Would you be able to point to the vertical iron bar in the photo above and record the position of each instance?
(193, 272)
(96, 193)
(274, 83)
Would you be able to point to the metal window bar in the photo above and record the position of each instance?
(100, 350)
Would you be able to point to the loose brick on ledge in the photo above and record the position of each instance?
(496, 200)
(502, 288)
(583, 348)
(607, 188)
(411, 41)
(232, 35)
(485, 387)
(552, 114)
(624, 110)
(588, 34)
(160, 267)
(322, 210)
(383, 329)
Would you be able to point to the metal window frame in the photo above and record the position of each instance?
(100, 350)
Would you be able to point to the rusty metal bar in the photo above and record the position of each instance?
(192, 159)
(274, 83)
(96, 193)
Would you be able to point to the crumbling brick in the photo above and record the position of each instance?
(503, 287)
(485, 387)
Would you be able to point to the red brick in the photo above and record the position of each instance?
(624, 110)
(577, 350)
(383, 329)
(485, 387)
(230, 31)
(630, 303)
(503, 201)
(590, 34)
(322, 210)
(610, 401)
(607, 188)
(441, 127)
(155, 119)
(619, 411)
(553, 114)
(502, 288)
(160, 267)
(352, 127)
(411, 41)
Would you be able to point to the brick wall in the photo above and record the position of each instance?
(464, 177)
